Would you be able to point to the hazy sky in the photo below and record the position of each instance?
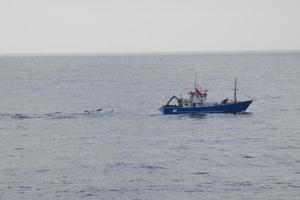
(74, 26)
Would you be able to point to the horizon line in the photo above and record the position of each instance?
(148, 53)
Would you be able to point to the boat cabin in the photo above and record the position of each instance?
(195, 98)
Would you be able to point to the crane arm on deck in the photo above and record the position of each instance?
(173, 97)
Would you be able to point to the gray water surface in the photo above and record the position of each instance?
(50, 150)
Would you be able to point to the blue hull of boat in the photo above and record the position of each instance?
(222, 108)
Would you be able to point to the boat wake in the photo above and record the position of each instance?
(102, 113)
(58, 115)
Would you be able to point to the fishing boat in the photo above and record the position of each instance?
(196, 103)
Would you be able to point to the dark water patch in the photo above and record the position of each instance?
(194, 190)
(88, 195)
(89, 191)
(191, 116)
(196, 140)
(280, 183)
(245, 183)
(65, 182)
(8, 169)
(152, 167)
(244, 113)
(170, 188)
(177, 180)
(18, 149)
(266, 187)
(233, 189)
(155, 115)
(85, 137)
(200, 173)
(39, 189)
(287, 163)
(293, 186)
(180, 147)
(248, 156)
(26, 116)
(287, 147)
(118, 166)
(22, 187)
(254, 139)
(113, 190)
(62, 191)
(19, 116)
(138, 181)
(240, 183)
(13, 174)
(42, 170)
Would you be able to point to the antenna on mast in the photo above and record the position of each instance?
(195, 86)
(235, 83)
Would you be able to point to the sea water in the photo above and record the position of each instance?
(50, 149)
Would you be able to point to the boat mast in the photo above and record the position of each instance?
(235, 82)
(195, 83)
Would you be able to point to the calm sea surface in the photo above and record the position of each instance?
(50, 150)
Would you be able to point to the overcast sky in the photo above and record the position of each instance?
(86, 26)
